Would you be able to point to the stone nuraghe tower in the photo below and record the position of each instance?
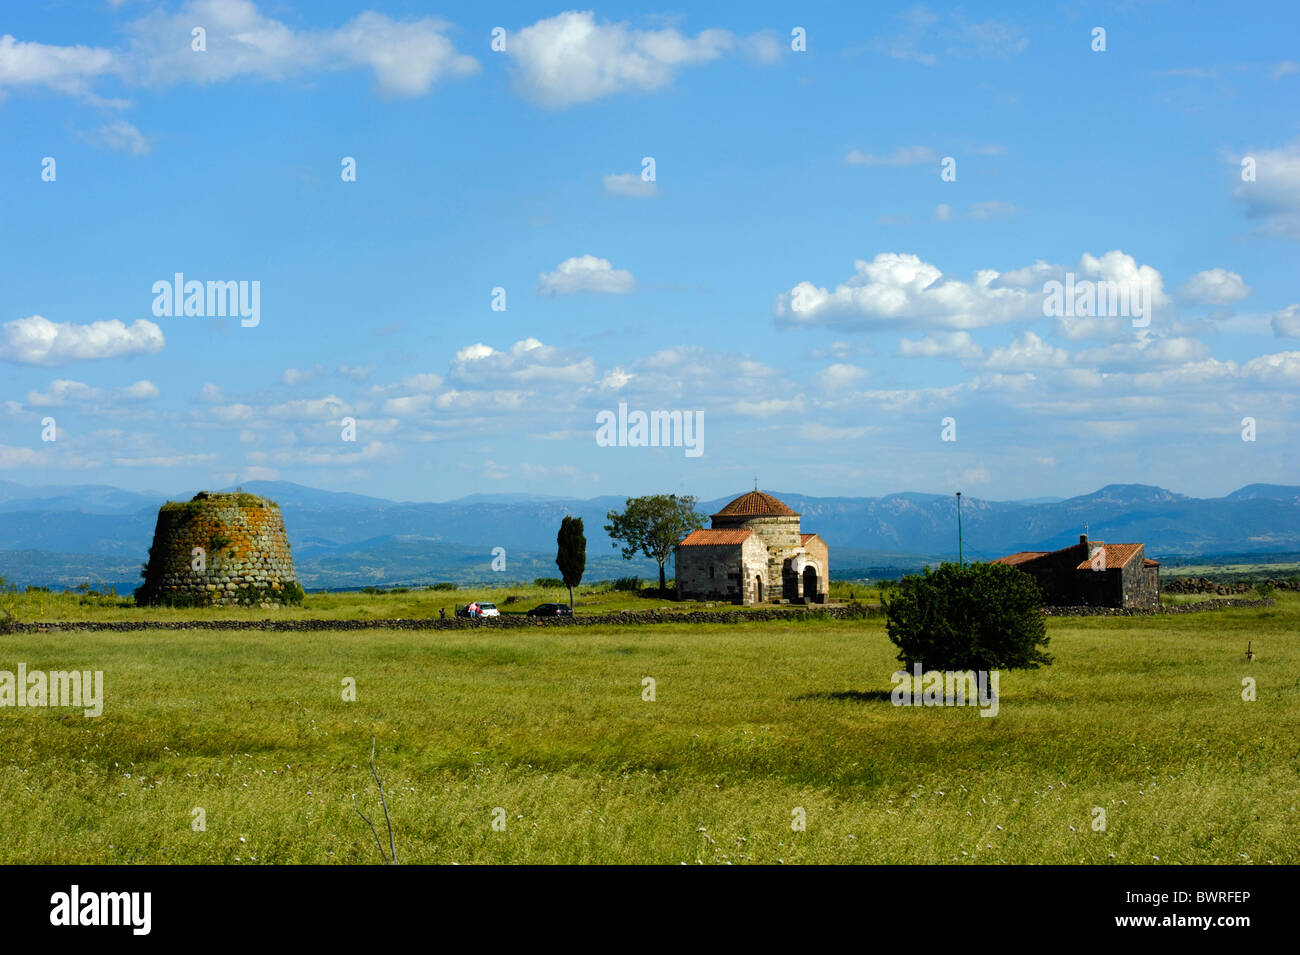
(219, 549)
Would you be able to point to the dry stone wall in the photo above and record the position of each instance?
(622, 618)
(220, 549)
(1204, 585)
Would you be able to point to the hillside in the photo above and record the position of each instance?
(56, 535)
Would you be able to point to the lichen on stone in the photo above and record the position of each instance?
(243, 554)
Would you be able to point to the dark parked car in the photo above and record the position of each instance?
(551, 610)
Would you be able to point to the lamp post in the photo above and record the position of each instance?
(960, 561)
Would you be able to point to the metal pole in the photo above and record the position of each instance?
(960, 559)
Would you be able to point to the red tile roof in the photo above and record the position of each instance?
(756, 504)
(805, 538)
(1021, 556)
(1117, 555)
(710, 538)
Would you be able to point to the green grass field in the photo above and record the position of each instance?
(42, 605)
(1142, 717)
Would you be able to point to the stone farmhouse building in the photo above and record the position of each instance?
(1093, 574)
(754, 553)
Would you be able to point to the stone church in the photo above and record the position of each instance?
(754, 553)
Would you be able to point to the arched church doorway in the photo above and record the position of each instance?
(810, 583)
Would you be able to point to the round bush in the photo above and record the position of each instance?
(977, 617)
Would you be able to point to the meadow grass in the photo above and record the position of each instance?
(1141, 717)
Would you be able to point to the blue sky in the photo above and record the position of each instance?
(799, 271)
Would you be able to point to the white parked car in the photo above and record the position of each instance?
(477, 609)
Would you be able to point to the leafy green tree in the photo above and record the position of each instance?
(653, 525)
(571, 555)
(976, 617)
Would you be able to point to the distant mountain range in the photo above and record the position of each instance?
(63, 535)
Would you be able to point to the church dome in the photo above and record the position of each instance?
(756, 504)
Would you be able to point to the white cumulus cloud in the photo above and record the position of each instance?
(1147, 350)
(570, 58)
(1027, 353)
(406, 57)
(1273, 198)
(65, 69)
(1282, 368)
(839, 376)
(615, 380)
(901, 288)
(941, 345)
(141, 391)
(1286, 322)
(528, 362)
(585, 273)
(1214, 287)
(38, 341)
